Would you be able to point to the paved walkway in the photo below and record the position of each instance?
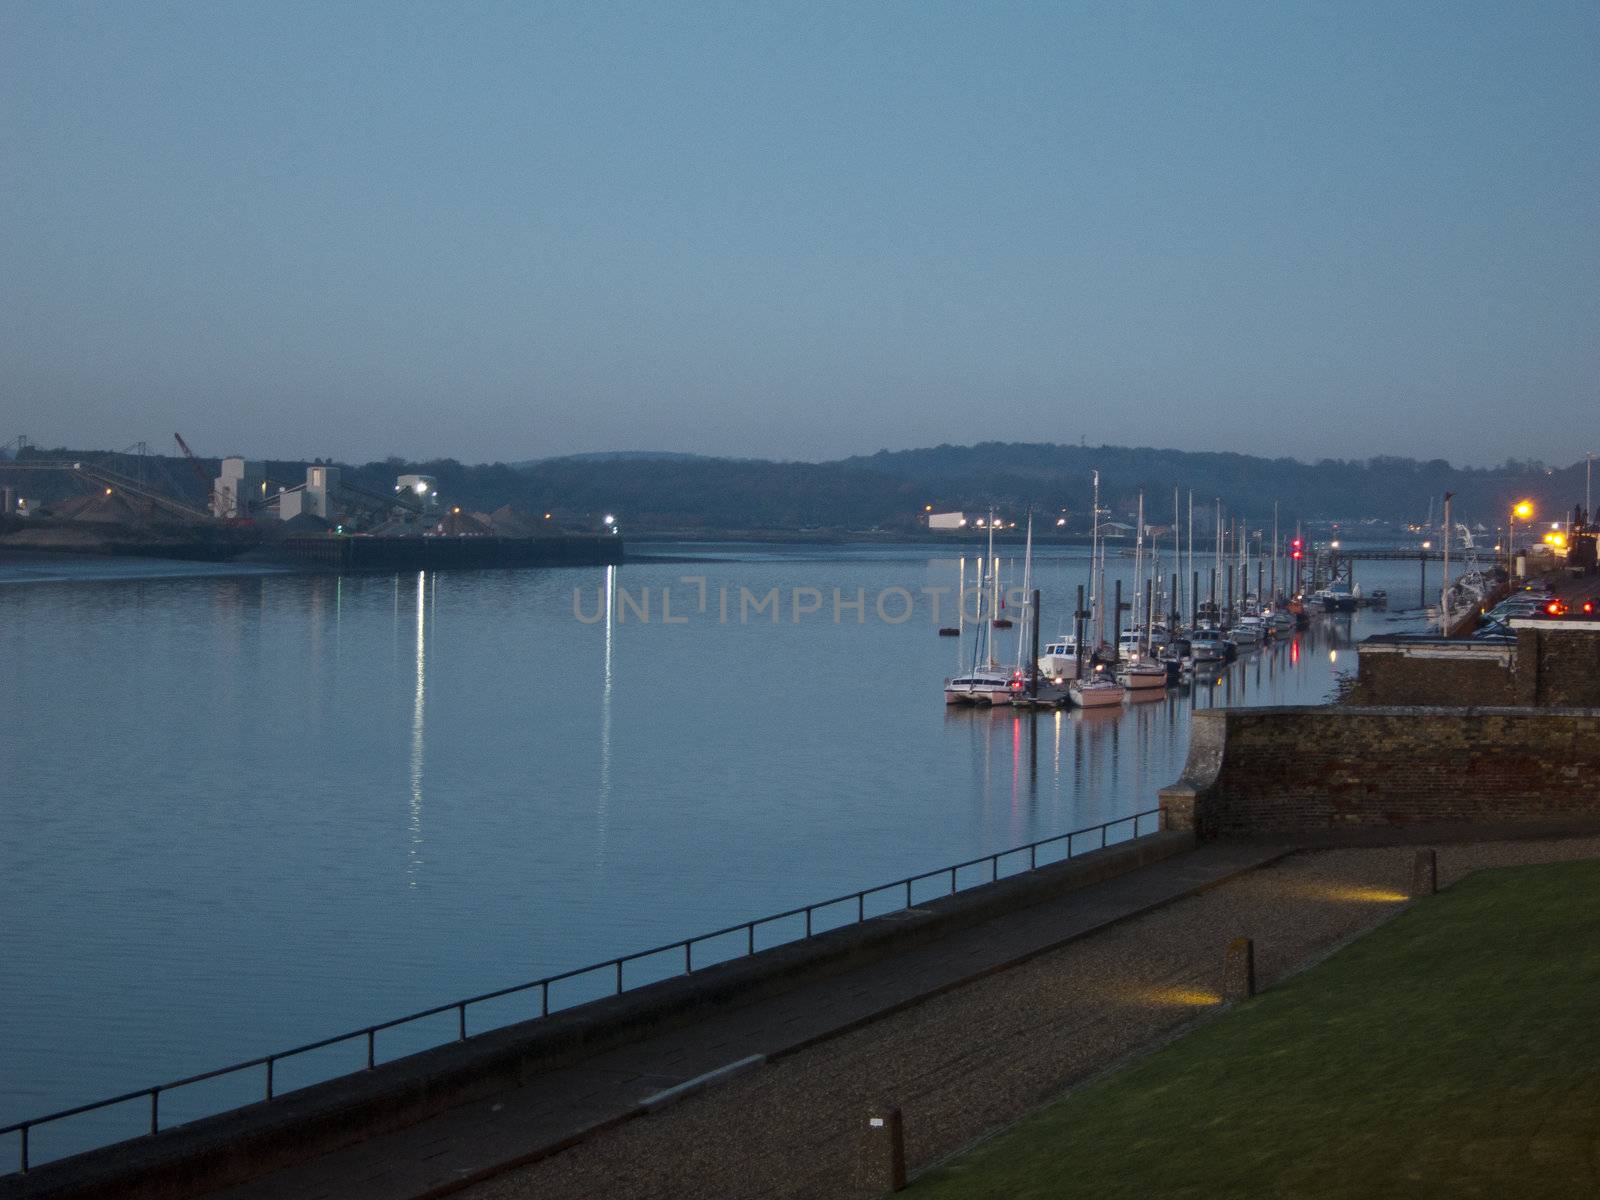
(986, 1044)
(563, 1106)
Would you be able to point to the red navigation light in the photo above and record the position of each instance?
(1556, 608)
(1294, 554)
(1588, 608)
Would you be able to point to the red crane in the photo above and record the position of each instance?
(200, 472)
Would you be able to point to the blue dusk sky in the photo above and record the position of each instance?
(510, 230)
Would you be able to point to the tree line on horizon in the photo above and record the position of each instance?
(892, 489)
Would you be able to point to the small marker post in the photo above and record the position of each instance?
(1239, 970)
(883, 1151)
(1425, 873)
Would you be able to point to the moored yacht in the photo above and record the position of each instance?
(1059, 659)
(1250, 631)
(1208, 644)
(1140, 675)
(990, 685)
(1096, 692)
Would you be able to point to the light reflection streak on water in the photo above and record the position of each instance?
(418, 712)
(603, 799)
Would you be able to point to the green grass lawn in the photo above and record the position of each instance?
(1455, 1051)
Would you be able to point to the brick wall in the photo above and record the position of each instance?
(1314, 770)
(1554, 664)
(1558, 663)
(1458, 673)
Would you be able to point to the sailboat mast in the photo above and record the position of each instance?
(1138, 564)
(1274, 584)
(992, 565)
(1178, 564)
(1194, 600)
(1216, 570)
(1096, 571)
(1027, 591)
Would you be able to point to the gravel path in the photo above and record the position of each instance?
(975, 1059)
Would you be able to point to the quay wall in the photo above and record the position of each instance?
(233, 1147)
(1310, 771)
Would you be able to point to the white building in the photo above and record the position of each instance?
(240, 485)
(949, 520)
(316, 498)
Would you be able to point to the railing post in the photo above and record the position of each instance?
(155, 1115)
(1033, 857)
(372, 1048)
(688, 960)
(1102, 837)
(750, 939)
(269, 1076)
(861, 907)
(544, 998)
(24, 1149)
(461, 1015)
(908, 893)
(952, 881)
(808, 920)
(619, 977)
(994, 867)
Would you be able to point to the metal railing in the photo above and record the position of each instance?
(614, 967)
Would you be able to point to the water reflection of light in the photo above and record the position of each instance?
(414, 854)
(603, 807)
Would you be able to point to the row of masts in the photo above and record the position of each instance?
(1167, 596)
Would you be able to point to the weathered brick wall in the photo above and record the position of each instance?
(1555, 665)
(1311, 770)
(1456, 675)
(1558, 666)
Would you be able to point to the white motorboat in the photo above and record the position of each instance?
(1250, 631)
(1059, 659)
(1338, 596)
(1208, 644)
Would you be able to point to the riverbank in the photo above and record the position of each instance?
(1441, 1055)
(964, 1035)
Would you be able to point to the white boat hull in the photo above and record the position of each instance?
(1141, 679)
(1096, 697)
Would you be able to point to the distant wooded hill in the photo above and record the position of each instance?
(890, 489)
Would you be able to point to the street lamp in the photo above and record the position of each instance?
(1523, 509)
(1423, 559)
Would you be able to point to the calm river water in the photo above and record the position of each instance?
(245, 810)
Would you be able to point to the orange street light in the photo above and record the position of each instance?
(1523, 509)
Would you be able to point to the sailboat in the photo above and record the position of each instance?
(987, 682)
(1099, 689)
(1031, 690)
(1135, 671)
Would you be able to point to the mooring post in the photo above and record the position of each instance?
(1239, 970)
(1425, 873)
(882, 1165)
